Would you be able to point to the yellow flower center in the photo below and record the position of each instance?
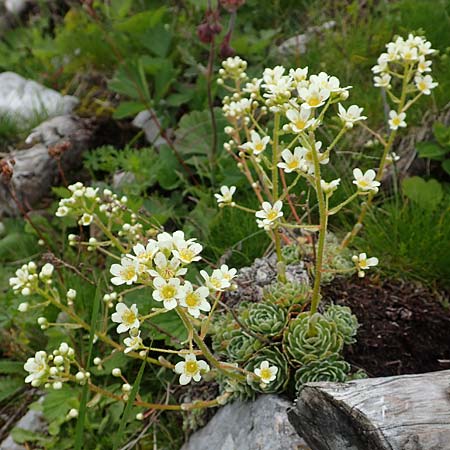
(396, 121)
(272, 214)
(266, 374)
(292, 164)
(422, 86)
(168, 291)
(363, 264)
(314, 101)
(259, 147)
(191, 368)
(128, 317)
(192, 300)
(128, 273)
(186, 254)
(363, 183)
(300, 124)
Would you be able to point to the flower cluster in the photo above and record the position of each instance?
(53, 370)
(405, 60)
(27, 279)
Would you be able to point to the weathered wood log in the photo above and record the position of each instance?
(410, 412)
(36, 169)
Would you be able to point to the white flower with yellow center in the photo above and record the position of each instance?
(167, 291)
(363, 263)
(270, 213)
(423, 65)
(291, 161)
(325, 81)
(313, 96)
(299, 120)
(188, 252)
(425, 83)
(145, 254)
(217, 281)
(382, 81)
(126, 272)
(330, 187)
(256, 144)
(351, 115)
(299, 75)
(165, 268)
(365, 182)
(86, 219)
(397, 121)
(226, 194)
(191, 369)
(308, 157)
(134, 342)
(38, 369)
(194, 300)
(227, 273)
(127, 318)
(266, 373)
(24, 276)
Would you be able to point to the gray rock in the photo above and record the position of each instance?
(27, 100)
(259, 425)
(31, 421)
(152, 131)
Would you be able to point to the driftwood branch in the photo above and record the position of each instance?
(410, 412)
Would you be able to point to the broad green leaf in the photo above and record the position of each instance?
(127, 109)
(168, 169)
(142, 21)
(13, 367)
(442, 134)
(430, 150)
(426, 194)
(446, 166)
(9, 386)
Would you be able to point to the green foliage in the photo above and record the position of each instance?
(242, 346)
(330, 369)
(346, 322)
(287, 294)
(264, 318)
(439, 148)
(425, 194)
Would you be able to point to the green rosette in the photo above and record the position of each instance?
(330, 369)
(312, 338)
(275, 358)
(242, 346)
(287, 294)
(264, 318)
(346, 322)
(223, 330)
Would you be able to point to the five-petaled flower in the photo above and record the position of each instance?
(425, 83)
(167, 291)
(365, 182)
(256, 144)
(226, 194)
(351, 115)
(126, 272)
(292, 161)
(190, 369)
(363, 263)
(127, 318)
(195, 299)
(396, 121)
(270, 213)
(37, 368)
(133, 342)
(266, 373)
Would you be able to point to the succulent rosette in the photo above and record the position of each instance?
(346, 322)
(330, 369)
(265, 318)
(287, 294)
(312, 338)
(275, 358)
(242, 346)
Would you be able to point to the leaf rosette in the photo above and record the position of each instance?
(265, 318)
(346, 322)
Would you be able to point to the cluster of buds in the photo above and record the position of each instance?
(404, 60)
(27, 279)
(54, 369)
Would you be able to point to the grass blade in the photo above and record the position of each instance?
(130, 402)
(79, 432)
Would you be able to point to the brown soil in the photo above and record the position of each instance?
(404, 327)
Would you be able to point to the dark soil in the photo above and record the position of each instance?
(404, 327)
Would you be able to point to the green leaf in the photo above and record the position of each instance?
(168, 169)
(127, 109)
(11, 367)
(21, 436)
(57, 403)
(442, 133)
(446, 166)
(168, 327)
(142, 21)
(430, 150)
(9, 386)
(426, 194)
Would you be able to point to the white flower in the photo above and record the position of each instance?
(425, 83)
(397, 120)
(145, 254)
(190, 369)
(134, 342)
(324, 81)
(299, 120)
(366, 181)
(313, 96)
(423, 65)
(62, 211)
(23, 307)
(392, 157)
(351, 115)
(270, 213)
(125, 272)
(383, 81)
(165, 268)
(194, 300)
(71, 294)
(362, 263)
(308, 157)
(188, 252)
(127, 318)
(217, 281)
(299, 74)
(167, 291)
(330, 187)
(21, 279)
(228, 274)
(226, 194)
(46, 271)
(292, 161)
(257, 144)
(86, 219)
(266, 373)
(38, 369)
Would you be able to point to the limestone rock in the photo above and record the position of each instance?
(258, 425)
